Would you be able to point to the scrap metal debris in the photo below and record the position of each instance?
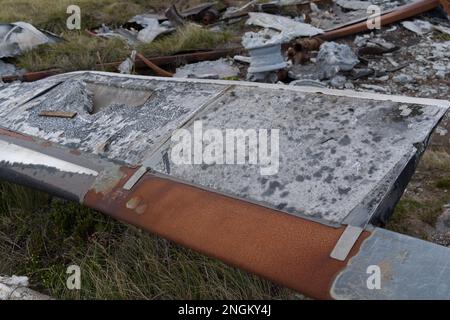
(419, 27)
(219, 69)
(289, 29)
(126, 67)
(354, 149)
(338, 166)
(334, 57)
(18, 37)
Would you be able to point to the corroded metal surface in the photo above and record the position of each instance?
(291, 251)
(345, 159)
(342, 154)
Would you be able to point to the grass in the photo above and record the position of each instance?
(190, 37)
(51, 14)
(79, 52)
(82, 52)
(418, 210)
(41, 236)
(443, 184)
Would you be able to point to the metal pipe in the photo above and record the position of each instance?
(159, 71)
(397, 14)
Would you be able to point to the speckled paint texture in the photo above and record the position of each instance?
(339, 155)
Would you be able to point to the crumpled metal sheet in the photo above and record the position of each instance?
(289, 28)
(219, 69)
(18, 37)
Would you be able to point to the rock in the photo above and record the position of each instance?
(266, 77)
(353, 4)
(338, 82)
(308, 82)
(219, 69)
(349, 85)
(419, 27)
(402, 78)
(334, 57)
(361, 73)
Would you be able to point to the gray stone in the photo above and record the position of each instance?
(219, 69)
(338, 82)
(334, 57)
(402, 78)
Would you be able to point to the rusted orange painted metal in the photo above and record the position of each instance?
(446, 5)
(291, 251)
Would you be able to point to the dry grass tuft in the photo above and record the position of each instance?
(51, 14)
(190, 37)
(79, 52)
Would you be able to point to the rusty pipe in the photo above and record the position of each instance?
(397, 14)
(159, 71)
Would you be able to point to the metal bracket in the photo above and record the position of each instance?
(346, 243)
(135, 178)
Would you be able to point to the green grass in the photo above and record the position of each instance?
(51, 14)
(41, 236)
(424, 208)
(408, 208)
(190, 37)
(82, 52)
(443, 184)
(79, 52)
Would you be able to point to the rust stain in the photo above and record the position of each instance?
(75, 152)
(16, 135)
(285, 249)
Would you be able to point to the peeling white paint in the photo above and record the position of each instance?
(14, 154)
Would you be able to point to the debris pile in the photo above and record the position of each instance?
(313, 43)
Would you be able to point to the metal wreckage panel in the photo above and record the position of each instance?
(345, 158)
